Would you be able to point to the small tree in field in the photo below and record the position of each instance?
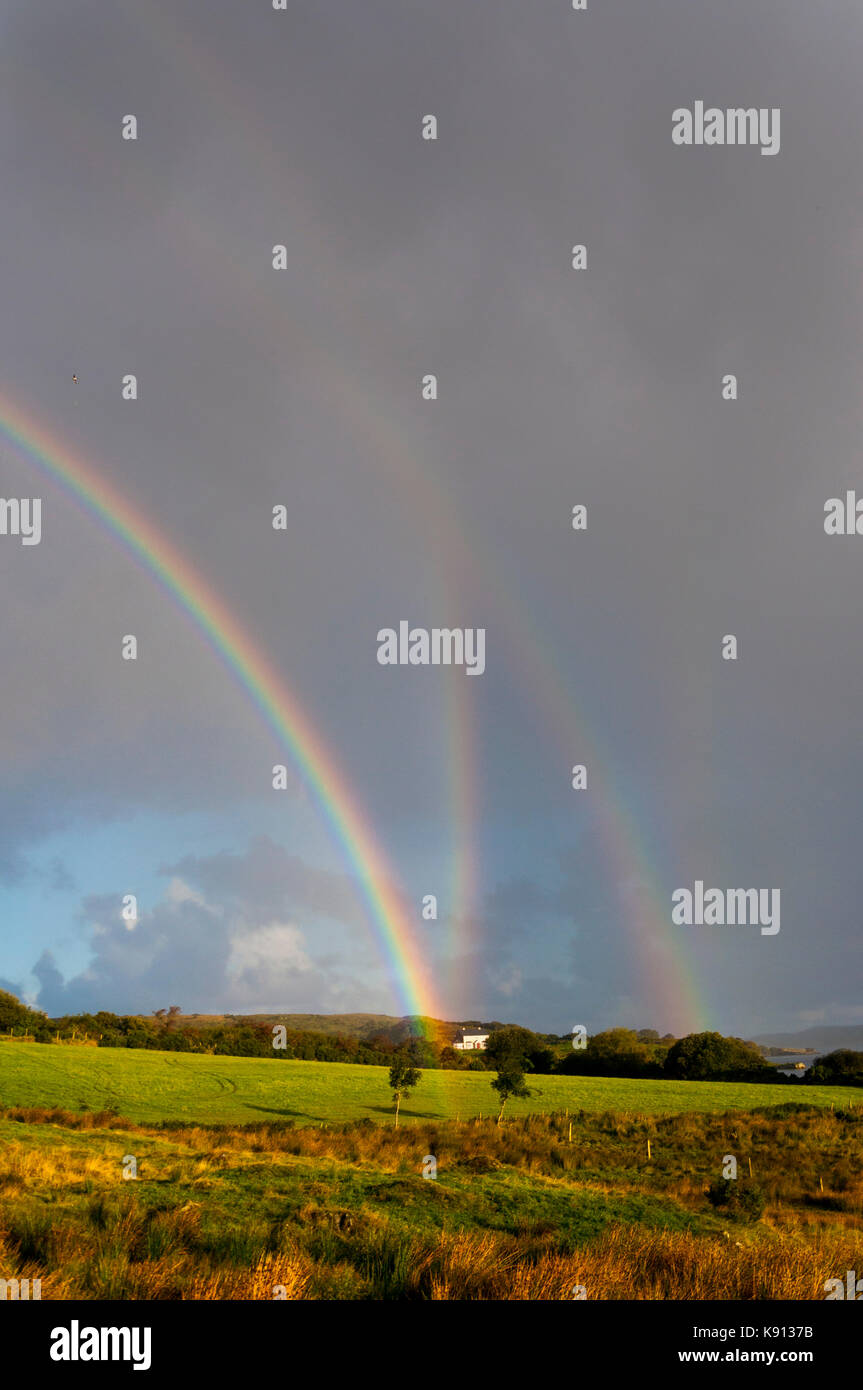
(509, 1082)
(403, 1079)
(508, 1051)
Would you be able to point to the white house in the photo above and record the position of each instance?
(470, 1042)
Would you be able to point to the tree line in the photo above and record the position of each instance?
(615, 1052)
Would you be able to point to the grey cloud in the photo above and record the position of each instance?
(557, 387)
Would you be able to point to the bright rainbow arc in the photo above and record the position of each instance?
(664, 960)
(257, 676)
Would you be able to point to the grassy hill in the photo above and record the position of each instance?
(153, 1086)
(260, 1178)
(360, 1026)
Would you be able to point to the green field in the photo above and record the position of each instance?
(151, 1086)
(252, 1182)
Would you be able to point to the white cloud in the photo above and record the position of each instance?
(273, 949)
(178, 891)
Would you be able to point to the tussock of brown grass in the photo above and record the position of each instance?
(23, 1170)
(69, 1119)
(274, 1276)
(632, 1264)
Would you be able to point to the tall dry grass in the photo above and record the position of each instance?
(67, 1218)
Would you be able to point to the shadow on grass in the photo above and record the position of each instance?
(404, 1113)
(293, 1114)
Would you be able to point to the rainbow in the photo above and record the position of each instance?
(185, 48)
(270, 693)
(663, 958)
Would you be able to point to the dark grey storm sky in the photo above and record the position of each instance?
(557, 387)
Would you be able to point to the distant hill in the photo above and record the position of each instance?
(361, 1026)
(822, 1038)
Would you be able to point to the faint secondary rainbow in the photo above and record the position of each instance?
(662, 957)
(660, 954)
(247, 663)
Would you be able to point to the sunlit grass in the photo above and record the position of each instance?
(151, 1086)
(516, 1212)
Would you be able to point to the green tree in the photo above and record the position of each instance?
(403, 1079)
(16, 1017)
(615, 1052)
(509, 1051)
(710, 1056)
(509, 1082)
(840, 1068)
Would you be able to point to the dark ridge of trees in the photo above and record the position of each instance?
(840, 1068)
(617, 1052)
(621, 1052)
(15, 1017)
(712, 1057)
